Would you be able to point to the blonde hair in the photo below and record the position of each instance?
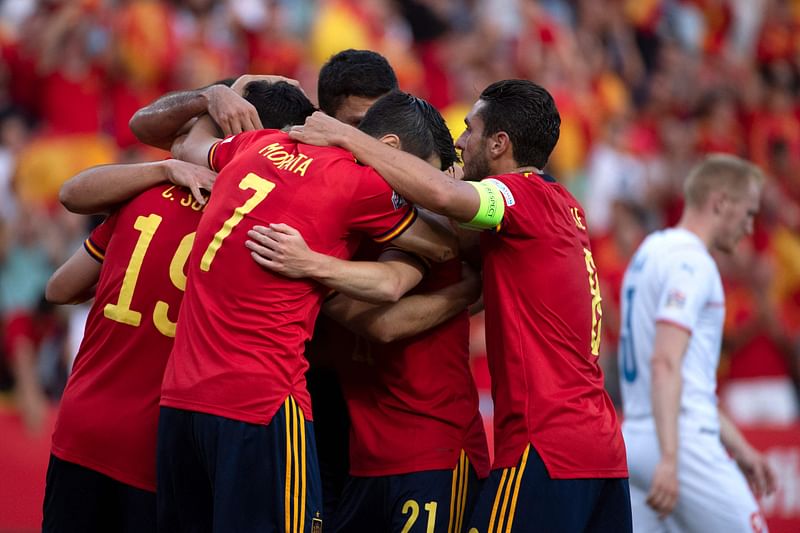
(720, 171)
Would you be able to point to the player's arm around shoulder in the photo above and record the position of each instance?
(101, 188)
(281, 249)
(411, 315)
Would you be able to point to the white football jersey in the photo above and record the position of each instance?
(672, 278)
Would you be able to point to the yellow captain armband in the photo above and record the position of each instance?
(492, 206)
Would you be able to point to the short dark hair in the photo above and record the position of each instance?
(419, 126)
(527, 113)
(278, 104)
(351, 72)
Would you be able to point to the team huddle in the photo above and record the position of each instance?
(291, 352)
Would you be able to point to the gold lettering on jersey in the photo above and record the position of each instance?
(283, 160)
(576, 215)
(597, 310)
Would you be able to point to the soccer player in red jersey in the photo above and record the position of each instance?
(101, 475)
(559, 455)
(236, 448)
(417, 444)
(102, 472)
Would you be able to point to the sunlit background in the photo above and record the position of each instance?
(645, 88)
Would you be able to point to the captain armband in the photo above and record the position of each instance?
(492, 207)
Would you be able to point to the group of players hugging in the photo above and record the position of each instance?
(204, 361)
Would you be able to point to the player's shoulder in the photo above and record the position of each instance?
(163, 200)
(677, 249)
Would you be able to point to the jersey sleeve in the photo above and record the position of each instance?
(222, 152)
(504, 187)
(686, 291)
(377, 210)
(97, 241)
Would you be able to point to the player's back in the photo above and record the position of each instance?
(239, 346)
(109, 410)
(543, 320)
(672, 278)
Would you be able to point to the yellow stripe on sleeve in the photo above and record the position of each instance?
(94, 251)
(401, 226)
(211, 152)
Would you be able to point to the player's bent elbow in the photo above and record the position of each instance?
(55, 294)
(70, 198)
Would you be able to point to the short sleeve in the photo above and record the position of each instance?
(97, 241)
(686, 291)
(504, 186)
(222, 152)
(377, 210)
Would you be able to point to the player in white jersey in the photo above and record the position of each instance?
(673, 308)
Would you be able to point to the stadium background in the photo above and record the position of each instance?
(645, 87)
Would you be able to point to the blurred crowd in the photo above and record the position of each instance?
(645, 88)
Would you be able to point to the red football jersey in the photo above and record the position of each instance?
(543, 321)
(239, 347)
(109, 411)
(413, 404)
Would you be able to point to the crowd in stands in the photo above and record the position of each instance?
(644, 87)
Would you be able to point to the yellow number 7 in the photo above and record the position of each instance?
(262, 189)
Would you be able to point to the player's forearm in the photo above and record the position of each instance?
(410, 316)
(731, 437)
(98, 189)
(666, 399)
(413, 178)
(159, 123)
(363, 280)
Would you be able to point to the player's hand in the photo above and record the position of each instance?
(281, 249)
(663, 493)
(757, 470)
(193, 177)
(456, 172)
(232, 113)
(320, 130)
(240, 83)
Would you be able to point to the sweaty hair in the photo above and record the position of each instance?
(716, 172)
(527, 113)
(353, 73)
(278, 104)
(419, 126)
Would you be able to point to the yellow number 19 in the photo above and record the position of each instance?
(121, 311)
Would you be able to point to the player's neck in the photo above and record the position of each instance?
(526, 170)
(697, 224)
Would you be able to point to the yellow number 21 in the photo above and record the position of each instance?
(262, 189)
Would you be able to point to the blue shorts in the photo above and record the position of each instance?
(81, 500)
(526, 499)
(221, 475)
(332, 433)
(435, 501)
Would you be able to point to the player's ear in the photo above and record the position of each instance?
(392, 140)
(499, 144)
